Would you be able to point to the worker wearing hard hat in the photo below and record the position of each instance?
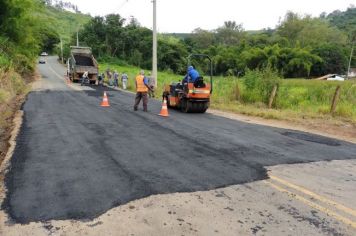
(142, 88)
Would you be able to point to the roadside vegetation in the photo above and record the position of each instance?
(27, 27)
(17, 52)
(301, 46)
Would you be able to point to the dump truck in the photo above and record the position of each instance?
(81, 60)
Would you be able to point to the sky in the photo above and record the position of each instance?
(183, 16)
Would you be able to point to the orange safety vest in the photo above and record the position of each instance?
(141, 87)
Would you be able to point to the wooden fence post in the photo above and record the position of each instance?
(335, 99)
(237, 92)
(271, 98)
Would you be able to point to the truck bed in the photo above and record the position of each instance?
(82, 69)
(82, 60)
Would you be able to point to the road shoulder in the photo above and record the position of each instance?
(341, 132)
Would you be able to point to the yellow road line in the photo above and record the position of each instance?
(314, 205)
(314, 195)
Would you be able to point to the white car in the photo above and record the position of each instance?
(336, 77)
(44, 54)
(42, 61)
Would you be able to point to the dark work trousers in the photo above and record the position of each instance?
(151, 94)
(138, 97)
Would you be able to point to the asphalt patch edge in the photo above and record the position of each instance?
(6, 164)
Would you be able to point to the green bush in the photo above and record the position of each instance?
(251, 80)
(259, 84)
(5, 63)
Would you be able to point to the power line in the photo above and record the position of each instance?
(123, 3)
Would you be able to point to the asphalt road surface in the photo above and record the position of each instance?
(76, 160)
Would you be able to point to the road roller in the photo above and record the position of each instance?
(190, 97)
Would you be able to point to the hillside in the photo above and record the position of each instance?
(64, 22)
(344, 20)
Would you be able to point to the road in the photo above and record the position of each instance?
(76, 160)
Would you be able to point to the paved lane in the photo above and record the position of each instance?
(76, 160)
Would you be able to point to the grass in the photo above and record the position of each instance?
(11, 84)
(295, 99)
(12, 87)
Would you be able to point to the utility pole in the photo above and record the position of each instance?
(62, 51)
(351, 54)
(77, 37)
(154, 44)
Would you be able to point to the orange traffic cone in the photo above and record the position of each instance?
(164, 110)
(105, 102)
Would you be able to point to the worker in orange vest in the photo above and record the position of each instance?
(142, 88)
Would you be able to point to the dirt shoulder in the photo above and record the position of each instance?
(338, 130)
(8, 113)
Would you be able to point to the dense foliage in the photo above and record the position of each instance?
(28, 27)
(113, 37)
(300, 46)
(18, 34)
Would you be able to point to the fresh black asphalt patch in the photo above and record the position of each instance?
(312, 138)
(76, 160)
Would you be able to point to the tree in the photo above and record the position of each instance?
(18, 25)
(113, 30)
(14, 16)
(108, 37)
(49, 39)
(300, 63)
(308, 31)
(171, 55)
(133, 23)
(333, 60)
(93, 34)
(202, 38)
(290, 27)
(345, 21)
(230, 33)
(233, 26)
